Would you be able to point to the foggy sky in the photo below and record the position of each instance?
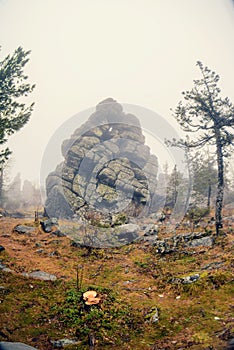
(138, 52)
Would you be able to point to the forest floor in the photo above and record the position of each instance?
(141, 307)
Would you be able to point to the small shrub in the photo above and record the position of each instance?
(110, 317)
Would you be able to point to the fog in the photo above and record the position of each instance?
(138, 52)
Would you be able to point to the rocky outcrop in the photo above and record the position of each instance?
(173, 243)
(107, 168)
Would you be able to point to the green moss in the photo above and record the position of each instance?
(112, 319)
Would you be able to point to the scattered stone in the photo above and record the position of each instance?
(151, 230)
(1, 248)
(15, 346)
(39, 251)
(48, 225)
(204, 241)
(171, 244)
(23, 229)
(3, 213)
(4, 268)
(40, 275)
(62, 343)
(186, 280)
(129, 281)
(4, 290)
(164, 247)
(76, 244)
(55, 253)
(58, 233)
(213, 265)
(191, 279)
(153, 316)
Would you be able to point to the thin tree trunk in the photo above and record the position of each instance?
(209, 194)
(209, 181)
(1, 187)
(189, 163)
(220, 187)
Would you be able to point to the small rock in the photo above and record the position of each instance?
(59, 344)
(55, 253)
(213, 265)
(127, 282)
(1, 248)
(186, 280)
(21, 229)
(76, 244)
(204, 241)
(47, 225)
(6, 269)
(2, 266)
(190, 279)
(40, 275)
(151, 230)
(58, 233)
(4, 290)
(153, 315)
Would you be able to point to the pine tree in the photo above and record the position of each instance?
(211, 120)
(14, 113)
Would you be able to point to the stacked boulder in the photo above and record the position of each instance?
(107, 168)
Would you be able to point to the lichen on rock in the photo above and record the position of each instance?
(107, 168)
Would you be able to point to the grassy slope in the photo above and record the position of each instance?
(131, 281)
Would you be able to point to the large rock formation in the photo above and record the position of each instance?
(107, 168)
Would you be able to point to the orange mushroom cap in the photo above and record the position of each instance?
(92, 301)
(89, 294)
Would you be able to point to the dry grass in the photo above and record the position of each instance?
(190, 316)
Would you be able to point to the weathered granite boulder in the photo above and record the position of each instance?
(107, 168)
(14, 346)
(23, 229)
